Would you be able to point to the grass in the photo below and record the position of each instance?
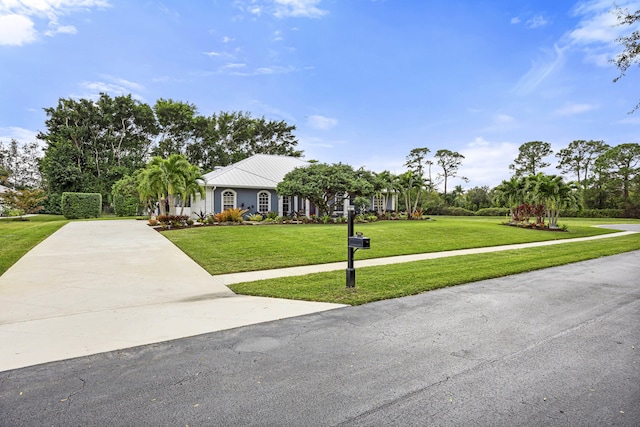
(19, 237)
(250, 248)
(397, 280)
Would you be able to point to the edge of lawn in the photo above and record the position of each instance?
(398, 280)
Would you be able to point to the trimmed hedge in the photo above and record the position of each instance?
(594, 213)
(493, 212)
(125, 205)
(81, 205)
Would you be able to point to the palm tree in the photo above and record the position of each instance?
(555, 195)
(510, 193)
(166, 178)
(191, 186)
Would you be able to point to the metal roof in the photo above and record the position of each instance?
(262, 171)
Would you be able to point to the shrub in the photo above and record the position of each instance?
(593, 213)
(53, 204)
(126, 199)
(272, 215)
(153, 222)
(231, 215)
(173, 220)
(493, 212)
(81, 205)
(255, 217)
(456, 211)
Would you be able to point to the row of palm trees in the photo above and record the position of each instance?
(165, 179)
(543, 195)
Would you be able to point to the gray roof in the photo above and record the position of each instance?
(262, 171)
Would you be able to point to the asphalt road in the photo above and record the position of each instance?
(554, 347)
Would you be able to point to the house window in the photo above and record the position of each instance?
(339, 202)
(264, 201)
(378, 203)
(228, 199)
(286, 205)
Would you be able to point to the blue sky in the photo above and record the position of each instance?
(364, 81)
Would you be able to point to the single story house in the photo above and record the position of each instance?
(251, 184)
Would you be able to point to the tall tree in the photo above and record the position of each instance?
(229, 137)
(450, 162)
(21, 163)
(530, 159)
(413, 182)
(177, 124)
(324, 185)
(623, 164)
(477, 198)
(578, 158)
(92, 144)
(631, 44)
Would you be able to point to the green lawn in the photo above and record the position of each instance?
(19, 237)
(397, 280)
(249, 248)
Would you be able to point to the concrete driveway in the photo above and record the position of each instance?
(554, 347)
(97, 286)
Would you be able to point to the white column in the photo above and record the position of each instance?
(280, 206)
(345, 203)
(307, 207)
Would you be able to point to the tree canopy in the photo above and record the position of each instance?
(630, 43)
(91, 144)
(325, 185)
(530, 158)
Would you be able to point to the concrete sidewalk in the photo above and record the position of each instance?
(98, 286)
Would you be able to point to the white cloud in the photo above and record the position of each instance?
(540, 70)
(227, 39)
(63, 29)
(597, 31)
(537, 21)
(515, 20)
(113, 86)
(486, 162)
(571, 109)
(19, 134)
(321, 122)
(16, 30)
(19, 20)
(298, 8)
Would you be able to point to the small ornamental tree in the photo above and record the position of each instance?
(324, 184)
(24, 202)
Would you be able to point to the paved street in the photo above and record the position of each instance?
(553, 347)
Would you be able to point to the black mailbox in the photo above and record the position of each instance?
(359, 242)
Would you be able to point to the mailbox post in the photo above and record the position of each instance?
(354, 243)
(351, 271)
